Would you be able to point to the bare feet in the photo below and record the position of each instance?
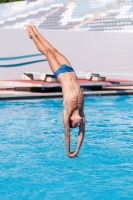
(30, 31)
(35, 30)
(32, 35)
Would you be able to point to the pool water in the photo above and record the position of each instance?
(33, 163)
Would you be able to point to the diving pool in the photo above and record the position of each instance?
(33, 163)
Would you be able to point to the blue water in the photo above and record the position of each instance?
(33, 164)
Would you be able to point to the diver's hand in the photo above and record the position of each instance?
(72, 154)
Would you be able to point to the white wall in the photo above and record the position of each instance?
(94, 51)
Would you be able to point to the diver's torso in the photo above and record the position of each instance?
(72, 93)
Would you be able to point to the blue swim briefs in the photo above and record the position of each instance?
(64, 68)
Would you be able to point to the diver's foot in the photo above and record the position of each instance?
(30, 31)
(34, 29)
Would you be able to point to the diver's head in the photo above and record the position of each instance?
(75, 120)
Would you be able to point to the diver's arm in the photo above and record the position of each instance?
(66, 118)
(80, 135)
(67, 131)
(80, 138)
(81, 131)
(67, 134)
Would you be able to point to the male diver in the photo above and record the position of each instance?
(73, 112)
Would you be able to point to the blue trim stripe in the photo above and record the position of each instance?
(20, 57)
(24, 63)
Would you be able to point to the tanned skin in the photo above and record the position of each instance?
(73, 112)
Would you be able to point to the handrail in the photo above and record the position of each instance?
(20, 57)
(24, 63)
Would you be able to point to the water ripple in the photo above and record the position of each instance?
(32, 151)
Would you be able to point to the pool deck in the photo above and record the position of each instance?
(25, 89)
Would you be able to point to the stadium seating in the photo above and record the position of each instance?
(88, 15)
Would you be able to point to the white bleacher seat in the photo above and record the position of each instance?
(69, 14)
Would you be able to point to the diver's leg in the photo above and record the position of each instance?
(53, 62)
(61, 59)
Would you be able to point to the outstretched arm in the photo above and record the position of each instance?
(80, 138)
(81, 132)
(66, 119)
(80, 135)
(67, 134)
(67, 131)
